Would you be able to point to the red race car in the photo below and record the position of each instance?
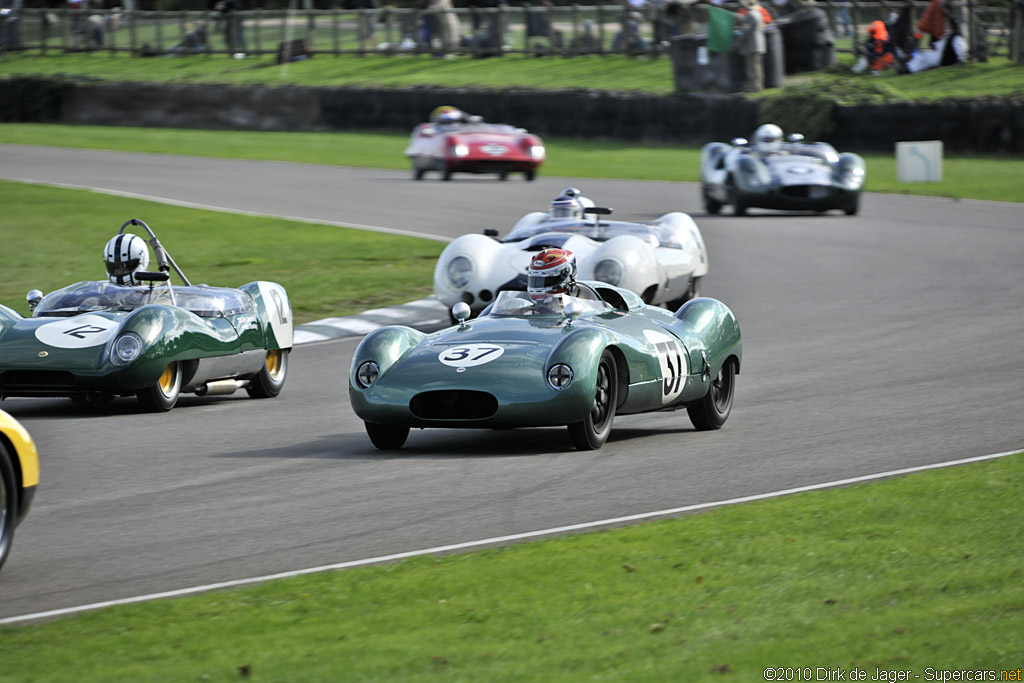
(455, 142)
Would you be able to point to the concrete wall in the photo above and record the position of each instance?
(968, 126)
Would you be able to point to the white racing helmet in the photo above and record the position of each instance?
(768, 138)
(125, 255)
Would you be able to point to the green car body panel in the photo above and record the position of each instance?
(663, 360)
(68, 351)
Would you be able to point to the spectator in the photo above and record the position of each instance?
(234, 31)
(842, 18)
(586, 41)
(752, 45)
(933, 21)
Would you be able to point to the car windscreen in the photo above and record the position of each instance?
(510, 304)
(654, 234)
(84, 297)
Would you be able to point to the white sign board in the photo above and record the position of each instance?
(919, 162)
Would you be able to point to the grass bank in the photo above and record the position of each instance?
(343, 271)
(995, 178)
(910, 574)
(997, 77)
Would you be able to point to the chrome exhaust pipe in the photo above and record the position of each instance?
(223, 387)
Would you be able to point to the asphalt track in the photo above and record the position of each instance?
(872, 343)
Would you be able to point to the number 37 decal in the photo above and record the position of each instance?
(468, 355)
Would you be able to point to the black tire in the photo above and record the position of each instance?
(591, 434)
(386, 437)
(530, 175)
(853, 207)
(270, 380)
(8, 505)
(711, 411)
(738, 207)
(503, 175)
(711, 205)
(162, 396)
(418, 171)
(446, 173)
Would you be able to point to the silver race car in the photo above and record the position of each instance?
(663, 261)
(772, 174)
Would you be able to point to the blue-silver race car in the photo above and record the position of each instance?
(595, 354)
(792, 176)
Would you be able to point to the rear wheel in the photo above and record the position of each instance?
(387, 437)
(711, 411)
(446, 172)
(270, 380)
(162, 396)
(503, 175)
(593, 431)
(417, 171)
(8, 504)
(530, 175)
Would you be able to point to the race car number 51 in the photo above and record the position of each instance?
(468, 355)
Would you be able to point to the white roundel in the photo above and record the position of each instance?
(468, 355)
(79, 332)
(674, 364)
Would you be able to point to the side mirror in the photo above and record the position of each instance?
(460, 312)
(572, 311)
(33, 298)
(739, 142)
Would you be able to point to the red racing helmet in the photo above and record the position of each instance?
(551, 271)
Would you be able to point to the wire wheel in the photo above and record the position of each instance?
(711, 411)
(592, 432)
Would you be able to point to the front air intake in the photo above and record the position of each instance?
(453, 404)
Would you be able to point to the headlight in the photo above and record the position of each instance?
(608, 270)
(537, 151)
(126, 348)
(560, 376)
(367, 373)
(460, 270)
(460, 150)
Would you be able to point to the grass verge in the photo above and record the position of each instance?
(997, 77)
(907, 574)
(964, 177)
(327, 271)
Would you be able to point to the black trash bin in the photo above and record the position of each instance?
(807, 41)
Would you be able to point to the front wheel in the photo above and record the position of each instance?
(162, 396)
(739, 208)
(711, 205)
(270, 380)
(530, 175)
(593, 431)
(386, 437)
(853, 207)
(711, 411)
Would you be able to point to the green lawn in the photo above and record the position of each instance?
(918, 572)
(999, 178)
(343, 271)
(997, 77)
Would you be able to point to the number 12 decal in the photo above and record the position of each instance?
(468, 355)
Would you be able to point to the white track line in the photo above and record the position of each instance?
(222, 209)
(500, 539)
